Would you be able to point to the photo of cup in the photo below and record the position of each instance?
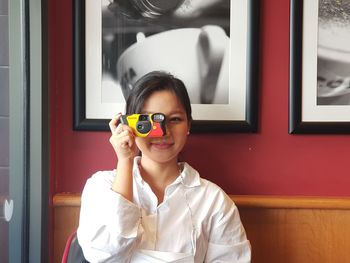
(333, 56)
(198, 56)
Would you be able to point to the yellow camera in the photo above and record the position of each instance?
(145, 125)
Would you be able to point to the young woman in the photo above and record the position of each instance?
(153, 208)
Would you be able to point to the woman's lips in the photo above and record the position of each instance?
(161, 145)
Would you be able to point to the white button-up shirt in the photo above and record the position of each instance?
(112, 228)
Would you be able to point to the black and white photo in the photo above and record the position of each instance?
(189, 39)
(211, 45)
(319, 100)
(333, 54)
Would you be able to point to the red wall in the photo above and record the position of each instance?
(269, 162)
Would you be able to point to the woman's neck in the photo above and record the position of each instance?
(159, 175)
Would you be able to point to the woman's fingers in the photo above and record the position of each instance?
(125, 140)
(114, 123)
(122, 138)
(119, 129)
(128, 136)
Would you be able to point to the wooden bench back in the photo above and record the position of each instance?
(280, 229)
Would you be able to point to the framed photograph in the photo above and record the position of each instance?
(211, 45)
(319, 92)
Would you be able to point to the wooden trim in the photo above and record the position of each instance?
(291, 202)
(248, 201)
(66, 200)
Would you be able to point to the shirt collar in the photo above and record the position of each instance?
(189, 177)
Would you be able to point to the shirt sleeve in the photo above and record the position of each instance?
(108, 224)
(227, 240)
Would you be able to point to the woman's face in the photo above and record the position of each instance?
(165, 149)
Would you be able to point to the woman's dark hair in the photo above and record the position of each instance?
(153, 82)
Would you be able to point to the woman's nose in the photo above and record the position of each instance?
(167, 128)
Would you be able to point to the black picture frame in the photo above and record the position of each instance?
(249, 124)
(297, 77)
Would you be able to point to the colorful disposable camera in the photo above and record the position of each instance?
(145, 125)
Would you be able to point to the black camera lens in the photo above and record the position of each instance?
(143, 126)
(143, 117)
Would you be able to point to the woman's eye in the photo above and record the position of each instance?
(175, 119)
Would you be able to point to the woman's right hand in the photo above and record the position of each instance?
(122, 139)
